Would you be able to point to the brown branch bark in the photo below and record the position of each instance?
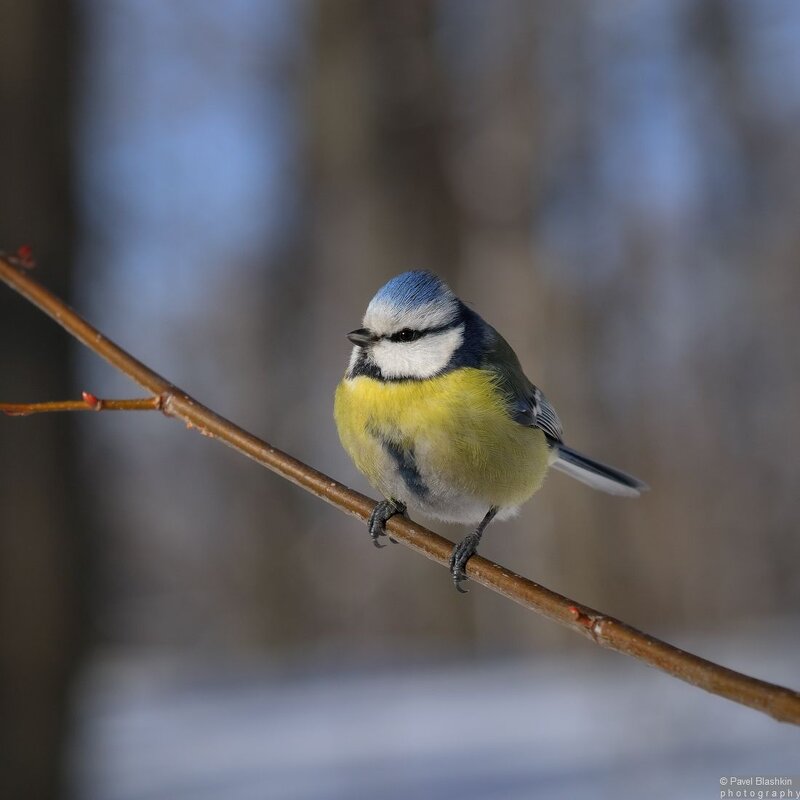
(779, 702)
(88, 403)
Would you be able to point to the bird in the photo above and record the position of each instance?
(436, 412)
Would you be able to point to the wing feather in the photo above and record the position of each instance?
(526, 402)
(545, 416)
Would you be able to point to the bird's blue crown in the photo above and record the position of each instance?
(413, 289)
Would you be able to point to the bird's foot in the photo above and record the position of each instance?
(462, 553)
(380, 515)
(467, 548)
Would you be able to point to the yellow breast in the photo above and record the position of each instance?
(457, 427)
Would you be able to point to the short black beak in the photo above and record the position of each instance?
(362, 337)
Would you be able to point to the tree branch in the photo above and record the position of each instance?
(88, 403)
(777, 701)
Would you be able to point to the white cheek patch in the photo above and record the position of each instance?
(420, 359)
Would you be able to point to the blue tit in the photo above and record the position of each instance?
(436, 412)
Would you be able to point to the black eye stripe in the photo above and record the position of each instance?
(411, 334)
(407, 335)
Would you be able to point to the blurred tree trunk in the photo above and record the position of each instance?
(380, 203)
(496, 158)
(39, 581)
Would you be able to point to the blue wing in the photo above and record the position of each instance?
(526, 402)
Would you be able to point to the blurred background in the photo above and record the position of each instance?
(221, 188)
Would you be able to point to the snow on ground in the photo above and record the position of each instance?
(598, 725)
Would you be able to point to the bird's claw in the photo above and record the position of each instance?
(380, 515)
(457, 571)
(462, 553)
(467, 548)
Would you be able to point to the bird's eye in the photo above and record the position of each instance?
(406, 335)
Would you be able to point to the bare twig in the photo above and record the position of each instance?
(777, 701)
(89, 403)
